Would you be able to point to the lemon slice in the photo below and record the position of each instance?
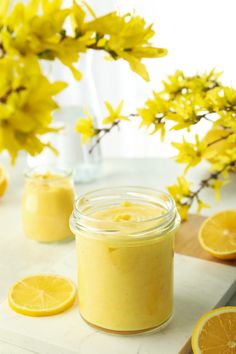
(3, 180)
(42, 295)
(217, 234)
(215, 332)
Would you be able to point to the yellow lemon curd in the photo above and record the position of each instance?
(126, 287)
(46, 207)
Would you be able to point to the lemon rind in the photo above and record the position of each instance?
(202, 321)
(46, 311)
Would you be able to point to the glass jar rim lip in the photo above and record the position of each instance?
(66, 172)
(163, 216)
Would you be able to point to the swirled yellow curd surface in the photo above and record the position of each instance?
(46, 207)
(126, 286)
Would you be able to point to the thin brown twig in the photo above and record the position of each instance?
(205, 183)
(94, 46)
(133, 115)
(219, 139)
(101, 133)
(105, 131)
(187, 90)
(4, 98)
(206, 118)
(2, 50)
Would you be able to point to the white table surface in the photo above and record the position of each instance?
(19, 254)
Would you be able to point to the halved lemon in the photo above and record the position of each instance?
(42, 295)
(217, 234)
(215, 332)
(3, 180)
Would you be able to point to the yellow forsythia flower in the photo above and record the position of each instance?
(26, 105)
(225, 162)
(39, 31)
(38, 28)
(190, 153)
(179, 190)
(127, 37)
(216, 185)
(201, 205)
(152, 112)
(28, 33)
(85, 127)
(183, 211)
(114, 114)
(3, 180)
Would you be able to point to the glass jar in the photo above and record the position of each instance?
(73, 101)
(124, 239)
(47, 203)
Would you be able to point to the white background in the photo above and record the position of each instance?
(199, 35)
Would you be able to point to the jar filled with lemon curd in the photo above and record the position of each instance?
(47, 203)
(124, 242)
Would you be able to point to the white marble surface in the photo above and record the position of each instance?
(20, 256)
(199, 286)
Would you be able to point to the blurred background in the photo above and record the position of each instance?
(198, 36)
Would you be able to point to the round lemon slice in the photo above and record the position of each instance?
(217, 234)
(3, 180)
(42, 295)
(215, 332)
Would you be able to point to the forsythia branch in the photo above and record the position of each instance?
(185, 197)
(4, 98)
(101, 133)
(39, 30)
(183, 103)
(219, 139)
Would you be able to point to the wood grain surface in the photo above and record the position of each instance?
(187, 243)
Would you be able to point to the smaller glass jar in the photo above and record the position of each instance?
(47, 203)
(124, 238)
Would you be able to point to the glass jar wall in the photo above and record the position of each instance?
(47, 203)
(124, 242)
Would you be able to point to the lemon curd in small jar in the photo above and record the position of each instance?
(124, 239)
(47, 203)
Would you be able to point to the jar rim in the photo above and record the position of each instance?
(60, 173)
(168, 220)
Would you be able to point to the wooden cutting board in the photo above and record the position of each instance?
(187, 243)
(66, 333)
